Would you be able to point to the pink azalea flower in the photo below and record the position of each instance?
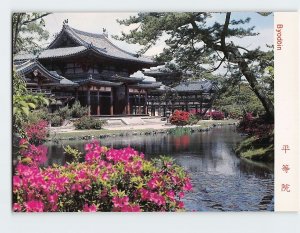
(88, 146)
(120, 201)
(145, 194)
(158, 199)
(34, 206)
(90, 208)
(180, 204)
(188, 186)
(133, 208)
(181, 194)
(23, 141)
(17, 207)
(105, 176)
(170, 194)
(53, 198)
(17, 182)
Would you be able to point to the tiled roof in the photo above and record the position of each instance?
(61, 52)
(123, 78)
(31, 65)
(195, 86)
(24, 56)
(52, 53)
(147, 85)
(100, 43)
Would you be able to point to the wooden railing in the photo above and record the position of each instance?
(39, 91)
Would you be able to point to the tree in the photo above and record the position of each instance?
(198, 45)
(28, 29)
(239, 100)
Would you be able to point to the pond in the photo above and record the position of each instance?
(221, 180)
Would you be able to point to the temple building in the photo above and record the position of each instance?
(88, 67)
(180, 93)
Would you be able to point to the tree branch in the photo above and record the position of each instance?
(36, 18)
(224, 34)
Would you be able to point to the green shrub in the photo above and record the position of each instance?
(78, 111)
(65, 112)
(56, 120)
(87, 122)
(38, 115)
(179, 131)
(193, 119)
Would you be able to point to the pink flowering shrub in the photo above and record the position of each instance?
(108, 180)
(37, 132)
(255, 126)
(216, 115)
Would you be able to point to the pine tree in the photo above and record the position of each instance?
(27, 30)
(198, 45)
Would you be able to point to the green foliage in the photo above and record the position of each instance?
(193, 119)
(28, 31)
(257, 148)
(179, 131)
(39, 114)
(78, 111)
(64, 112)
(238, 100)
(87, 122)
(198, 47)
(56, 120)
(23, 103)
(74, 153)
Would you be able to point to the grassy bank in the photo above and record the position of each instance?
(257, 148)
(79, 134)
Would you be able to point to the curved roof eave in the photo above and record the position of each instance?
(30, 66)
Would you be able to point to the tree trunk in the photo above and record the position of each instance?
(233, 55)
(259, 92)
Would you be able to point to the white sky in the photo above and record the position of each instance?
(94, 22)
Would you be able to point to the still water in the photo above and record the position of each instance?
(221, 181)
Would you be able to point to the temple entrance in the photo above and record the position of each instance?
(105, 103)
(119, 103)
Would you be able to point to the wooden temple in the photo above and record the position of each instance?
(88, 67)
(194, 96)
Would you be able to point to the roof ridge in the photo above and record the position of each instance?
(62, 48)
(101, 36)
(88, 33)
(132, 54)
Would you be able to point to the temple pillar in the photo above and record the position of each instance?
(195, 102)
(139, 102)
(98, 103)
(127, 108)
(186, 103)
(89, 101)
(172, 106)
(159, 106)
(111, 103)
(201, 104)
(76, 94)
(145, 104)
